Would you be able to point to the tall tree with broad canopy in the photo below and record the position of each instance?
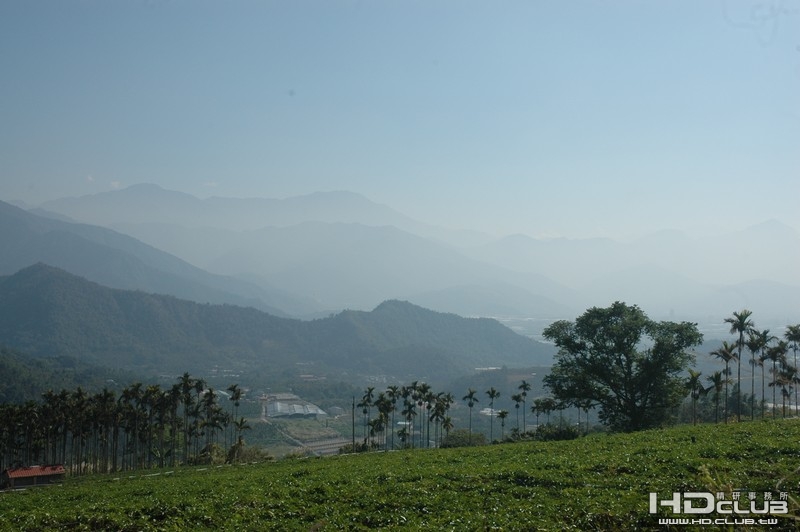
(625, 362)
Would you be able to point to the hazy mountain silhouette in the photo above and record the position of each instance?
(355, 265)
(49, 312)
(332, 250)
(115, 260)
(338, 250)
(152, 204)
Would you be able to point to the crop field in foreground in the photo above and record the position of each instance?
(600, 482)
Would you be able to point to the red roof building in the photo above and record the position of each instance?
(19, 477)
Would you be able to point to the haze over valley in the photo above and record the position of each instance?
(307, 161)
(312, 255)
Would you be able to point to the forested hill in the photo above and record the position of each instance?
(48, 312)
(26, 378)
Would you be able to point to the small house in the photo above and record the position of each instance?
(23, 477)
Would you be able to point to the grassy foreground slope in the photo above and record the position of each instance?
(596, 483)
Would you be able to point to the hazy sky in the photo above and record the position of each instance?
(574, 118)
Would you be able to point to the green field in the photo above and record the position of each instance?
(601, 482)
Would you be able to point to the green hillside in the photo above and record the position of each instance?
(601, 482)
(26, 378)
(49, 312)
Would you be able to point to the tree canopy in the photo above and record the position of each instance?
(622, 361)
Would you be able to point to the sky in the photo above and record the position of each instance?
(548, 118)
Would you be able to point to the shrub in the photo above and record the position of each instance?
(360, 448)
(556, 432)
(212, 454)
(462, 438)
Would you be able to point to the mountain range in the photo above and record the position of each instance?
(119, 261)
(328, 251)
(49, 312)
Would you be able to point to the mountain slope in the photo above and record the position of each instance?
(114, 259)
(404, 325)
(47, 311)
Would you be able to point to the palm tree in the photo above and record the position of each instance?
(424, 399)
(132, 406)
(411, 394)
(740, 324)
(197, 413)
(162, 410)
(777, 354)
(502, 415)
(718, 382)
(403, 435)
(393, 393)
(549, 405)
(409, 413)
(471, 400)
(174, 403)
(240, 426)
(787, 377)
(384, 406)
(493, 394)
(446, 400)
(585, 404)
(79, 407)
(792, 335)
(726, 353)
(365, 404)
(537, 409)
(52, 413)
(754, 345)
(447, 426)
(517, 398)
(441, 405)
(525, 387)
(105, 405)
(695, 390)
(151, 401)
(758, 342)
(235, 397)
(186, 385)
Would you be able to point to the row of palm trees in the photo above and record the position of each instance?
(417, 402)
(422, 408)
(540, 406)
(145, 426)
(764, 348)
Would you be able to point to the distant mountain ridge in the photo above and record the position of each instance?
(157, 205)
(330, 250)
(116, 260)
(49, 312)
(339, 250)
